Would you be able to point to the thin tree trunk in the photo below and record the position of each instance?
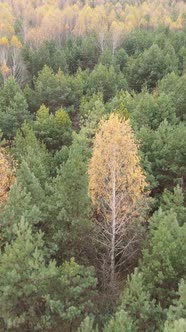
(113, 227)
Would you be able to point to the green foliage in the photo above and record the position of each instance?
(170, 57)
(92, 109)
(119, 104)
(29, 194)
(164, 257)
(120, 322)
(55, 90)
(81, 52)
(174, 87)
(176, 315)
(174, 201)
(73, 86)
(181, 303)
(137, 311)
(38, 296)
(150, 111)
(138, 41)
(164, 153)
(69, 206)
(148, 68)
(65, 204)
(88, 52)
(167, 84)
(47, 54)
(106, 58)
(175, 326)
(59, 158)
(13, 108)
(136, 301)
(87, 325)
(72, 54)
(54, 130)
(20, 204)
(33, 180)
(47, 88)
(92, 104)
(179, 98)
(28, 149)
(121, 59)
(105, 80)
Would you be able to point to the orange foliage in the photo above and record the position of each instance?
(7, 175)
(116, 188)
(10, 58)
(5, 70)
(15, 43)
(115, 150)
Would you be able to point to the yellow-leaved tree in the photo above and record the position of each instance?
(117, 190)
(7, 175)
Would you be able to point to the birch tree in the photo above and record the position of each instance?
(17, 66)
(11, 62)
(6, 175)
(116, 188)
(116, 35)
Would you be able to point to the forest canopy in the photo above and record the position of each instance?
(92, 166)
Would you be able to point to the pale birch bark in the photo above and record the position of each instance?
(116, 186)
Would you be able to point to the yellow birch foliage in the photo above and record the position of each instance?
(6, 175)
(117, 32)
(46, 19)
(83, 22)
(116, 187)
(14, 42)
(4, 42)
(6, 20)
(115, 150)
(5, 70)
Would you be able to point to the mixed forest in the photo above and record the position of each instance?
(92, 166)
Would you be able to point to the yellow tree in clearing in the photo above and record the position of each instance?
(116, 188)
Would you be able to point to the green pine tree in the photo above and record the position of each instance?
(13, 108)
(40, 296)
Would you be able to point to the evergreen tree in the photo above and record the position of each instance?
(28, 149)
(149, 111)
(54, 130)
(55, 90)
(148, 68)
(106, 81)
(176, 315)
(120, 322)
(164, 153)
(13, 108)
(164, 257)
(69, 202)
(174, 200)
(137, 302)
(20, 204)
(36, 296)
(87, 325)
